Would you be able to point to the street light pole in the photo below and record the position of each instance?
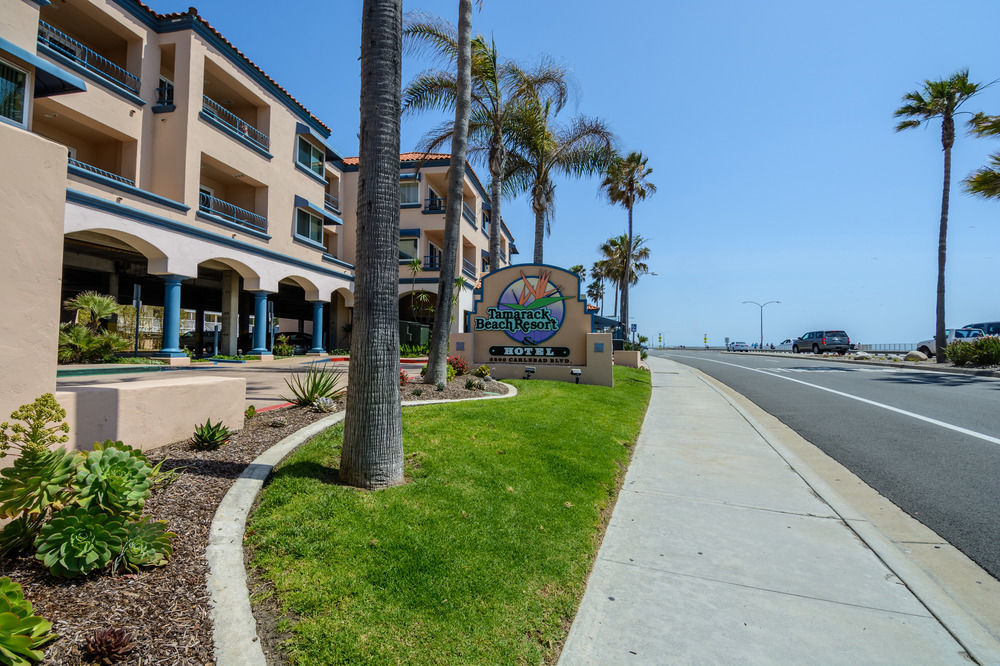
(761, 306)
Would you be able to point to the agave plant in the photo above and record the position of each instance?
(36, 482)
(21, 633)
(113, 480)
(147, 545)
(77, 541)
(317, 382)
(209, 436)
(109, 646)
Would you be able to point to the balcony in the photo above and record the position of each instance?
(468, 213)
(331, 202)
(62, 44)
(435, 204)
(241, 127)
(468, 269)
(101, 172)
(232, 213)
(432, 262)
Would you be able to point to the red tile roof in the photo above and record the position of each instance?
(408, 157)
(192, 11)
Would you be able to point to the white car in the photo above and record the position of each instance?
(951, 335)
(785, 345)
(739, 346)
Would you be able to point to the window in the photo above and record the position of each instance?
(407, 248)
(165, 93)
(13, 101)
(433, 257)
(309, 226)
(409, 192)
(311, 157)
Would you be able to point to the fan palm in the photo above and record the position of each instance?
(595, 292)
(95, 305)
(985, 182)
(939, 99)
(622, 266)
(497, 88)
(372, 453)
(540, 150)
(626, 182)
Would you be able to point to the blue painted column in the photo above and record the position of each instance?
(172, 316)
(317, 347)
(260, 323)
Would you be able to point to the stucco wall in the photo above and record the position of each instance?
(32, 200)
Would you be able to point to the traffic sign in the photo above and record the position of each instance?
(635, 328)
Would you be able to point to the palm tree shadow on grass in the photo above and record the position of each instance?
(308, 470)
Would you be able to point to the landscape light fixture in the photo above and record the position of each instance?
(528, 371)
(761, 306)
(576, 372)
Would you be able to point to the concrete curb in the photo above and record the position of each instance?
(907, 365)
(234, 629)
(976, 640)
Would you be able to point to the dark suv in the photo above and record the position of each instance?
(822, 341)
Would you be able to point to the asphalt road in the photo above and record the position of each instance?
(928, 441)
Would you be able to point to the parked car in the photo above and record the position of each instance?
(822, 341)
(929, 347)
(301, 341)
(784, 345)
(739, 346)
(987, 327)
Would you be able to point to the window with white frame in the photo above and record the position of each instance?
(407, 248)
(13, 97)
(409, 192)
(308, 225)
(311, 157)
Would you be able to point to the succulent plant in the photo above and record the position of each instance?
(324, 405)
(33, 483)
(250, 412)
(210, 436)
(21, 633)
(317, 382)
(18, 535)
(42, 426)
(147, 545)
(109, 646)
(114, 480)
(77, 541)
(278, 422)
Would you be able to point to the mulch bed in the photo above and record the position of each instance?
(165, 609)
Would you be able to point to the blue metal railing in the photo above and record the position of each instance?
(432, 262)
(435, 204)
(101, 172)
(468, 214)
(234, 122)
(469, 268)
(228, 211)
(65, 45)
(331, 202)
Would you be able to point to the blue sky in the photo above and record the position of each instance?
(769, 129)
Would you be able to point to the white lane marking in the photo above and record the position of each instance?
(919, 417)
(821, 369)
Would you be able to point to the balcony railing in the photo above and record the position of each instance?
(234, 122)
(432, 262)
(331, 202)
(65, 45)
(228, 211)
(101, 172)
(435, 204)
(468, 214)
(469, 268)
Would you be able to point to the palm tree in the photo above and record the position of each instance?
(497, 88)
(621, 266)
(579, 270)
(939, 99)
(540, 150)
(595, 292)
(597, 275)
(97, 306)
(372, 455)
(625, 183)
(985, 182)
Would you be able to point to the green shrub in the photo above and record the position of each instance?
(77, 541)
(474, 384)
(417, 391)
(282, 347)
(483, 371)
(413, 351)
(250, 412)
(21, 632)
(317, 382)
(978, 351)
(209, 436)
(146, 545)
(114, 480)
(80, 344)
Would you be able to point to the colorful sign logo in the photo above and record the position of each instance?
(530, 310)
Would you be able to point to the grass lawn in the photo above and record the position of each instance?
(481, 557)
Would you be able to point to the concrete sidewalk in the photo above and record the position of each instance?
(718, 551)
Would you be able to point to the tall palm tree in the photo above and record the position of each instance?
(579, 270)
(497, 90)
(625, 182)
(372, 455)
(596, 274)
(540, 150)
(595, 292)
(622, 266)
(939, 99)
(985, 182)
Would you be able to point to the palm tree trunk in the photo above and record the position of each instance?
(498, 158)
(947, 140)
(628, 272)
(437, 359)
(372, 455)
(615, 312)
(539, 234)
